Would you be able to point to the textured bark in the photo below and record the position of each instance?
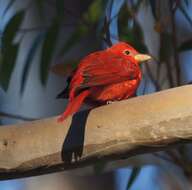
(143, 124)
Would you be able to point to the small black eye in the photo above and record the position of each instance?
(126, 52)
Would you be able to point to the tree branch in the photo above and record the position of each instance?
(143, 124)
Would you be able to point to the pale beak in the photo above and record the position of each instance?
(142, 57)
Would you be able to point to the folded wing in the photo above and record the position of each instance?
(106, 69)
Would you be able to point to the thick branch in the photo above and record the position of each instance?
(138, 125)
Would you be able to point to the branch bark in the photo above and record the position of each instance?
(143, 124)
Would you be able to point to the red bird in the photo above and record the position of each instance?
(104, 76)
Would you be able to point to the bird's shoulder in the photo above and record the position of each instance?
(101, 58)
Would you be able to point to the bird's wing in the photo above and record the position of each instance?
(107, 68)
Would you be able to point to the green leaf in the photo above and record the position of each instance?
(9, 51)
(124, 18)
(166, 48)
(11, 2)
(94, 12)
(134, 174)
(60, 8)
(48, 48)
(130, 31)
(185, 46)
(91, 17)
(40, 4)
(29, 60)
(138, 39)
(74, 38)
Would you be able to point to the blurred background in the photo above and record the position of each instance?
(41, 40)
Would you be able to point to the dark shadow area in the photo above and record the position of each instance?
(74, 141)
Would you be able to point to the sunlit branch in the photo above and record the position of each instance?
(117, 131)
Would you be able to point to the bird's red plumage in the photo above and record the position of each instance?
(103, 76)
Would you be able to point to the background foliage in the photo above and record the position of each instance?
(107, 22)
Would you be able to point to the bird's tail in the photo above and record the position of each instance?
(74, 105)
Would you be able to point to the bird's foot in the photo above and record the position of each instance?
(60, 119)
(111, 102)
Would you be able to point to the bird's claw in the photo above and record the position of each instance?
(111, 102)
(60, 119)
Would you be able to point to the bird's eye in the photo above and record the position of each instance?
(126, 52)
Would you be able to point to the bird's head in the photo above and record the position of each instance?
(127, 51)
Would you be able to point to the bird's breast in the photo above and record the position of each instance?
(114, 92)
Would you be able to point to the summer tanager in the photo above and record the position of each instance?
(104, 76)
